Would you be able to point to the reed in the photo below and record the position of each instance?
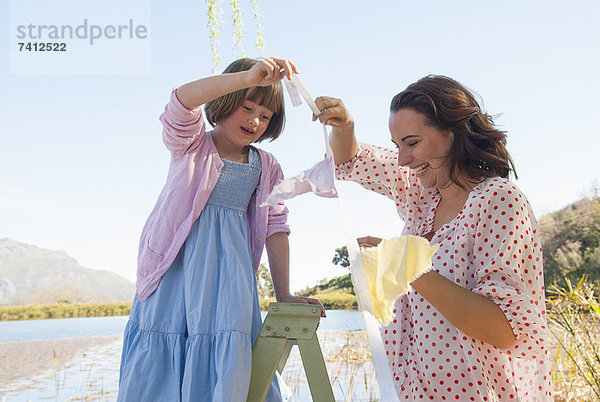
(349, 366)
(574, 315)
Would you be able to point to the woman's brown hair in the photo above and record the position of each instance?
(479, 148)
(270, 97)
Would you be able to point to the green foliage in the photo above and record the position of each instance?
(341, 284)
(264, 303)
(238, 29)
(341, 257)
(264, 283)
(215, 13)
(63, 310)
(336, 293)
(215, 22)
(260, 42)
(331, 301)
(337, 301)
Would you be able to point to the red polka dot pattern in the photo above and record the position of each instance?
(491, 248)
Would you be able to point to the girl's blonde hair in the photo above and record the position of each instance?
(270, 97)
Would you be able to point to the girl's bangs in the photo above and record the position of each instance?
(270, 97)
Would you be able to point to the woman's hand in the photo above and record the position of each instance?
(333, 112)
(270, 71)
(342, 139)
(368, 241)
(304, 300)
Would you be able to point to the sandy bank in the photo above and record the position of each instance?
(20, 360)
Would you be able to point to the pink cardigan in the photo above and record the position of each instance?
(193, 173)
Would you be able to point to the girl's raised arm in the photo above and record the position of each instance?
(265, 72)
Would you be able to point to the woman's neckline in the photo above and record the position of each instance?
(437, 199)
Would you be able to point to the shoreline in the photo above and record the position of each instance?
(23, 360)
(88, 367)
(32, 312)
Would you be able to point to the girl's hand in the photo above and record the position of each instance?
(304, 300)
(270, 71)
(368, 241)
(333, 112)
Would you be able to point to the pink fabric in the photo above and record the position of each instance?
(491, 248)
(319, 179)
(193, 172)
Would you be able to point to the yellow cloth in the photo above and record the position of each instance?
(391, 266)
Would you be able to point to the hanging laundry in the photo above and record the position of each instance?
(318, 179)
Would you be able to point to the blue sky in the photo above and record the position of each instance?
(82, 162)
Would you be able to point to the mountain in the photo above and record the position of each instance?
(32, 275)
(571, 242)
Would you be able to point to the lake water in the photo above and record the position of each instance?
(18, 331)
(94, 374)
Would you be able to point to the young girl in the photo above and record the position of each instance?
(196, 315)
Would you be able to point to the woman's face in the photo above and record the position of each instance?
(421, 147)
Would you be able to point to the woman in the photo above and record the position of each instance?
(474, 327)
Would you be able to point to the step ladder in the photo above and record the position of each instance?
(286, 325)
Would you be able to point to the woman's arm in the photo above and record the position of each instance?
(342, 141)
(278, 251)
(473, 314)
(263, 73)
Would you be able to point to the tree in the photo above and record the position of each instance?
(341, 257)
(264, 283)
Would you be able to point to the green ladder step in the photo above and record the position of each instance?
(286, 325)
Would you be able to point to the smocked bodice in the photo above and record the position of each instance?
(237, 183)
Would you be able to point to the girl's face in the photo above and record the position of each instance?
(421, 147)
(247, 123)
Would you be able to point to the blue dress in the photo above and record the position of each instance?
(191, 340)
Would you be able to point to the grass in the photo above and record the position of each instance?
(354, 373)
(63, 310)
(334, 301)
(574, 318)
(331, 301)
(348, 360)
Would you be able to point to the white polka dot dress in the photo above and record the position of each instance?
(491, 248)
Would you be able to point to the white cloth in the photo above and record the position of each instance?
(319, 180)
